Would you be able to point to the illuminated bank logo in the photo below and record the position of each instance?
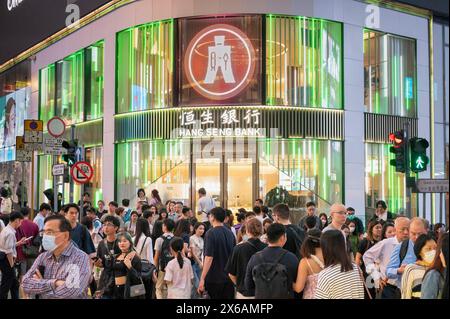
(12, 4)
(219, 62)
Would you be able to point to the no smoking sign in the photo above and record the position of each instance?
(82, 172)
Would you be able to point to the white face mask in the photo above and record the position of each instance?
(245, 238)
(352, 229)
(429, 256)
(49, 242)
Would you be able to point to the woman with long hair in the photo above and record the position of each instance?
(435, 281)
(183, 230)
(144, 247)
(156, 199)
(310, 265)
(341, 279)
(178, 273)
(126, 268)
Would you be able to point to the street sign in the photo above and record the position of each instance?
(431, 186)
(22, 155)
(82, 172)
(33, 131)
(58, 169)
(56, 127)
(53, 146)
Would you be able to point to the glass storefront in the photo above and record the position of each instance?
(390, 80)
(304, 169)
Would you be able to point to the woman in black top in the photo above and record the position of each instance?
(183, 230)
(374, 234)
(127, 267)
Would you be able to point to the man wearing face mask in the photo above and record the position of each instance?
(63, 271)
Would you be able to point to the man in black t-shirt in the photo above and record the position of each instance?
(276, 235)
(237, 264)
(294, 234)
(219, 244)
(106, 251)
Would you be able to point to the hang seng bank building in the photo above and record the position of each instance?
(290, 100)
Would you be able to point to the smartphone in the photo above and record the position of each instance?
(28, 238)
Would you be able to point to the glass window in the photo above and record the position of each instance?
(47, 93)
(95, 157)
(70, 88)
(382, 181)
(303, 62)
(45, 178)
(94, 59)
(161, 165)
(390, 82)
(145, 67)
(301, 170)
(77, 83)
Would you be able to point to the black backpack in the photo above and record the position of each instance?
(148, 269)
(299, 236)
(165, 255)
(271, 278)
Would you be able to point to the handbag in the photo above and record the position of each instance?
(137, 290)
(148, 269)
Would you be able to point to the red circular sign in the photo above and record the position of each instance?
(219, 61)
(82, 172)
(56, 127)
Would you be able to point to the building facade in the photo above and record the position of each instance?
(249, 100)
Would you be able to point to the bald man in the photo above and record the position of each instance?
(381, 254)
(338, 214)
(397, 262)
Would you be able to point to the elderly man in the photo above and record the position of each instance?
(63, 271)
(381, 254)
(403, 254)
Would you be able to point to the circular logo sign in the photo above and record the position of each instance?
(82, 172)
(219, 62)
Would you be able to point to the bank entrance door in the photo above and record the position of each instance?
(228, 177)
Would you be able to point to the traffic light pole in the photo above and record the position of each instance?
(71, 186)
(55, 187)
(407, 171)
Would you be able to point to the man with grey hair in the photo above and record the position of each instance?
(381, 254)
(403, 254)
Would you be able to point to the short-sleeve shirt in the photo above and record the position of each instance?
(219, 244)
(8, 241)
(39, 220)
(237, 264)
(199, 245)
(180, 278)
(160, 240)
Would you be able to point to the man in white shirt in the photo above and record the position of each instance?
(44, 211)
(381, 253)
(205, 204)
(8, 255)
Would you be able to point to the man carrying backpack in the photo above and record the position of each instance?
(271, 272)
(163, 256)
(294, 234)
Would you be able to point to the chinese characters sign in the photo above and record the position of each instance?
(218, 123)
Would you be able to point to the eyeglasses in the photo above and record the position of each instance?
(50, 232)
(340, 213)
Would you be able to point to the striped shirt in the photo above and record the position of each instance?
(72, 266)
(412, 280)
(334, 284)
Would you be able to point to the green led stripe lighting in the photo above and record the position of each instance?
(66, 79)
(304, 69)
(144, 67)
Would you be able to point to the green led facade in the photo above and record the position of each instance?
(381, 179)
(390, 80)
(47, 93)
(72, 88)
(303, 62)
(145, 67)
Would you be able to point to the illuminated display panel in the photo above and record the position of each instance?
(220, 60)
